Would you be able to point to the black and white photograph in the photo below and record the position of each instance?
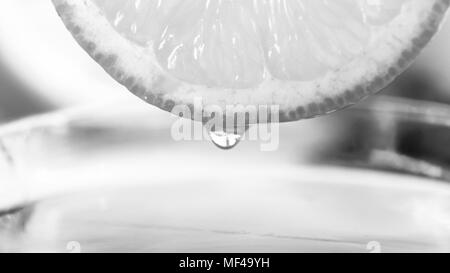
(209, 127)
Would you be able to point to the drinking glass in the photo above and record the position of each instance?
(111, 177)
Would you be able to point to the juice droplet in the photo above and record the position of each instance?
(224, 140)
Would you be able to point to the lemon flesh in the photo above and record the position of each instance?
(231, 43)
(309, 57)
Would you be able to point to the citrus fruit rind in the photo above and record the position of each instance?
(391, 49)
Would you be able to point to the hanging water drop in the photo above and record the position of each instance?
(224, 140)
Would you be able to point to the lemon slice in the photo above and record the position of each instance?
(309, 57)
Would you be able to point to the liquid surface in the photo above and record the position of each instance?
(211, 216)
(233, 43)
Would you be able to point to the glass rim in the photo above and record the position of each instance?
(439, 174)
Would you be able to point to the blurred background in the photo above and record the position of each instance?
(405, 128)
(42, 69)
